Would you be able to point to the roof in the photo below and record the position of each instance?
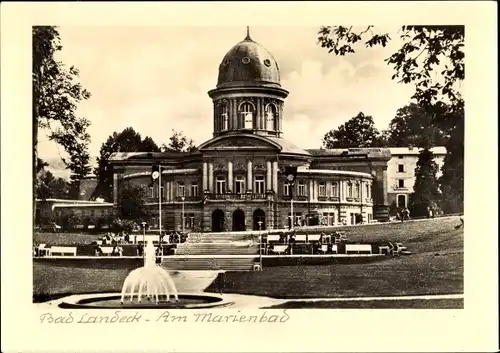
(369, 152)
(305, 170)
(287, 146)
(415, 150)
(248, 62)
(122, 156)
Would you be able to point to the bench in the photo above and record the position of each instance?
(279, 249)
(301, 238)
(273, 237)
(314, 237)
(63, 250)
(256, 267)
(107, 250)
(358, 248)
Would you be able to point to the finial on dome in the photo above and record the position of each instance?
(248, 34)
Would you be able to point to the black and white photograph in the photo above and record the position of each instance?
(272, 168)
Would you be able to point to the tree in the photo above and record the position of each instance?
(56, 94)
(179, 143)
(426, 189)
(413, 126)
(359, 131)
(126, 141)
(50, 187)
(132, 203)
(432, 59)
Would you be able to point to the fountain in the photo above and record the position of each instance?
(150, 282)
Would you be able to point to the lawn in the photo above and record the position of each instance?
(66, 239)
(375, 304)
(436, 267)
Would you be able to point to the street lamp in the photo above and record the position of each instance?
(143, 238)
(260, 244)
(183, 198)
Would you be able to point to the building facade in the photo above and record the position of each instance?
(235, 181)
(401, 172)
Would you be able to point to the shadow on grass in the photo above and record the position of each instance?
(375, 304)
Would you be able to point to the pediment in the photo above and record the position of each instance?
(239, 142)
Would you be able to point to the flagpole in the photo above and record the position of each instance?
(159, 199)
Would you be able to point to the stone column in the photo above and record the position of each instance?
(211, 177)
(249, 176)
(311, 190)
(230, 114)
(205, 177)
(384, 185)
(215, 119)
(263, 115)
(115, 188)
(230, 175)
(275, 176)
(259, 113)
(235, 114)
(315, 190)
(268, 175)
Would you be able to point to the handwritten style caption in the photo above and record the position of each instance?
(123, 317)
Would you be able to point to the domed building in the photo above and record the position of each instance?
(236, 180)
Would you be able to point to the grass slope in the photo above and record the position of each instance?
(436, 267)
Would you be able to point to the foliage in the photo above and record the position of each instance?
(131, 201)
(359, 131)
(432, 59)
(50, 187)
(70, 221)
(426, 190)
(56, 94)
(412, 126)
(126, 141)
(119, 225)
(179, 143)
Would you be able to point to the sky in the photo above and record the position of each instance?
(156, 79)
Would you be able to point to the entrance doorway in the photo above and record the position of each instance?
(259, 216)
(401, 201)
(239, 220)
(217, 221)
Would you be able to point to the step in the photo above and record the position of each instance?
(230, 264)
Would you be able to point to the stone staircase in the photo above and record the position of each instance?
(222, 237)
(243, 248)
(206, 263)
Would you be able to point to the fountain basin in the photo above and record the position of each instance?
(113, 301)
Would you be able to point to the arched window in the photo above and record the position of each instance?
(270, 116)
(224, 116)
(349, 189)
(357, 194)
(335, 189)
(246, 113)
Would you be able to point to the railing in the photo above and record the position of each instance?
(234, 196)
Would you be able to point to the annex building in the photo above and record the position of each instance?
(236, 180)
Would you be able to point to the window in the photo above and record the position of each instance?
(180, 189)
(367, 192)
(194, 189)
(349, 189)
(239, 185)
(335, 189)
(401, 183)
(270, 116)
(400, 157)
(224, 116)
(322, 189)
(357, 194)
(189, 220)
(286, 190)
(220, 185)
(401, 168)
(161, 191)
(301, 189)
(151, 192)
(331, 219)
(259, 184)
(246, 111)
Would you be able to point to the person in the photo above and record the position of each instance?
(407, 213)
(140, 249)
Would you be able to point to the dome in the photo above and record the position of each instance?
(248, 62)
